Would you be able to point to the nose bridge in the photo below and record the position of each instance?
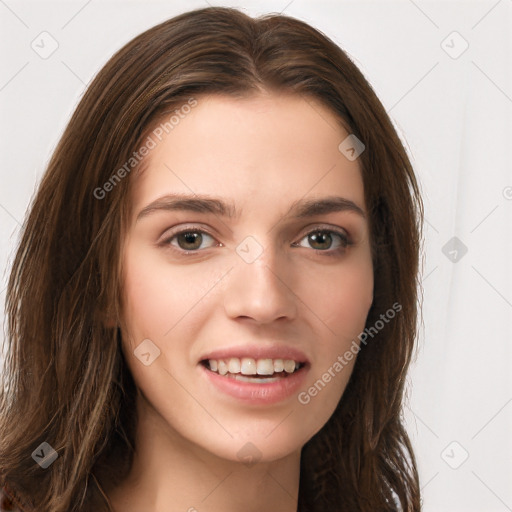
(258, 286)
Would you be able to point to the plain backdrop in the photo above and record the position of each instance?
(443, 72)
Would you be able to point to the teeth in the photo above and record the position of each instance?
(289, 366)
(223, 367)
(243, 378)
(234, 365)
(248, 366)
(251, 366)
(265, 367)
(278, 365)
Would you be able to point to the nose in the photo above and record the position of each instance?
(261, 290)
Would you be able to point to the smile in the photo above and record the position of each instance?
(255, 381)
(248, 369)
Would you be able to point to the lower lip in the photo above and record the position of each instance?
(258, 394)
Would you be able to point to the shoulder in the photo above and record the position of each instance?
(8, 500)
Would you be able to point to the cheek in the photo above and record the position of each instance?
(158, 300)
(341, 299)
(145, 301)
(156, 295)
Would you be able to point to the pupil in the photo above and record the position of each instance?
(190, 238)
(317, 236)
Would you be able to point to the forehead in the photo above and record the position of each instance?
(265, 148)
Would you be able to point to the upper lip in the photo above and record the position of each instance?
(258, 352)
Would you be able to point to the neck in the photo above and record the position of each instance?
(170, 474)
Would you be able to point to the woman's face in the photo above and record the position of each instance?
(260, 278)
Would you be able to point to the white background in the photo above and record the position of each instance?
(454, 115)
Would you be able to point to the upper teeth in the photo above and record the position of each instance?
(250, 366)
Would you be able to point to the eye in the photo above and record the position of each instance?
(187, 240)
(190, 240)
(323, 240)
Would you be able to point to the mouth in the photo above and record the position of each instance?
(255, 374)
(256, 371)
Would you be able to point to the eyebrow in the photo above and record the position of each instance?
(200, 203)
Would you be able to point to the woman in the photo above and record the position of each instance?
(214, 301)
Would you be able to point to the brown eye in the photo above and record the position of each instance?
(323, 240)
(188, 240)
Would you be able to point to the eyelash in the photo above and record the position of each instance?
(345, 241)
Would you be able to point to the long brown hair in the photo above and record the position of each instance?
(66, 381)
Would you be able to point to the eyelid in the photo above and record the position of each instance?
(181, 226)
(176, 230)
(325, 227)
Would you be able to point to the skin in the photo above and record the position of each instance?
(262, 152)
